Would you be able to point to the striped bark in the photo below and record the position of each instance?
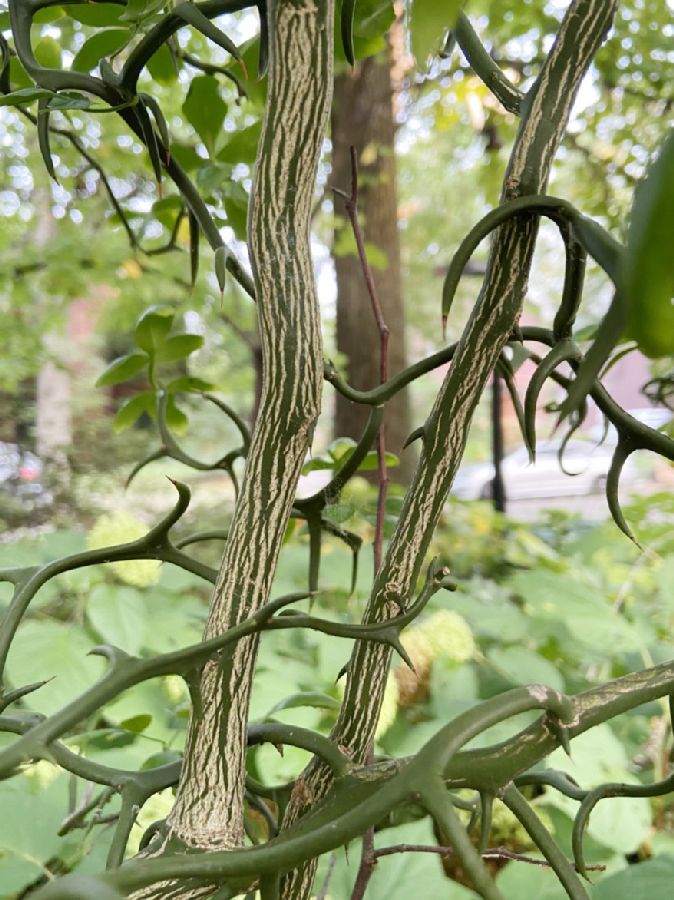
(209, 807)
(497, 310)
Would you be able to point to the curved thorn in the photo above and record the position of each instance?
(190, 14)
(152, 457)
(506, 371)
(418, 433)
(537, 204)
(43, 136)
(194, 248)
(561, 352)
(263, 59)
(346, 30)
(624, 448)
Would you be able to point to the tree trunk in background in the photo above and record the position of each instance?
(362, 116)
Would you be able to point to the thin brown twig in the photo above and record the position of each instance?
(351, 206)
(489, 853)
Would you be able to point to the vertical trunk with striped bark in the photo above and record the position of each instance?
(209, 807)
(544, 119)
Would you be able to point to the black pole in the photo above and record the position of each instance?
(498, 487)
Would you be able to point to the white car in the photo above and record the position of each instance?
(588, 462)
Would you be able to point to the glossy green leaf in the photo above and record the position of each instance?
(179, 347)
(122, 368)
(649, 259)
(153, 327)
(205, 109)
(429, 21)
(133, 409)
(103, 43)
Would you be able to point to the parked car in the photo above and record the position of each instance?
(588, 462)
(20, 476)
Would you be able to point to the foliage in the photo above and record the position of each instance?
(552, 607)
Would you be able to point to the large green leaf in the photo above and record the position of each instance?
(650, 880)
(649, 261)
(117, 615)
(518, 881)
(34, 804)
(205, 109)
(399, 876)
(47, 649)
(565, 604)
(522, 666)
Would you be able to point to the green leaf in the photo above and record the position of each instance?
(429, 21)
(649, 261)
(25, 96)
(136, 724)
(69, 100)
(138, 10)
(50, 650)
(100, 14)
(117, 615)
(103, 43)
(163, 758)
(241, 146)
(153, 327)
(522, 666)
(175, 417)
(133, 409)
(122, 368)
(48, 53)
(652, 878)
(371, 461)
(179, 347)
(162, 66)
(190, 383)
(166, 210)
(205, 109)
